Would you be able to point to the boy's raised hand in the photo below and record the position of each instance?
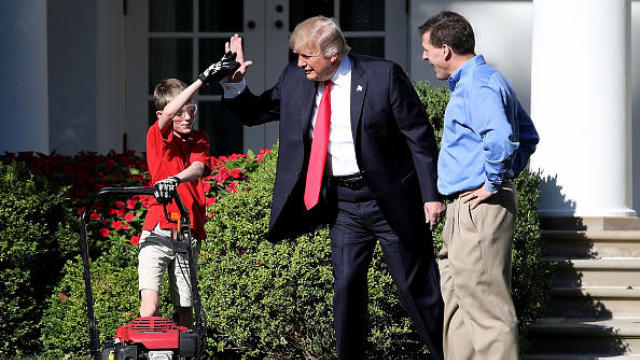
(235, 45)
(220, 69)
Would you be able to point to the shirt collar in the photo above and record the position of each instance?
(340, 78)
(466, 68)
(180, 140)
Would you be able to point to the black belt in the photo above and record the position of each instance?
(453, 196)
(353, 181)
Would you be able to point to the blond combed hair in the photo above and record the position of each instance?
(166, 91)
(326, 34)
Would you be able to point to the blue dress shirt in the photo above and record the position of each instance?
(488, 137)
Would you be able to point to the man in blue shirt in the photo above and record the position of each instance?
(488, 139)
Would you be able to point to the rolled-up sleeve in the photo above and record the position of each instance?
(498, 138)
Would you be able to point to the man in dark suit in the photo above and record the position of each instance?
(358, 153)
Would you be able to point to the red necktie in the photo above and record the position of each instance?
(319, 147)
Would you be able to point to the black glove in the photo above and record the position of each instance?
(219, 70)
(163, 190)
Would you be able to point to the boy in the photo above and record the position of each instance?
(178, 157)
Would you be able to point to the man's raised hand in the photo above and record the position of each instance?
(235, 45)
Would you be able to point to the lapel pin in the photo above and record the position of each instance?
(359, 88)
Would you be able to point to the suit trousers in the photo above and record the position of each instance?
(475, 265)
(358, 226)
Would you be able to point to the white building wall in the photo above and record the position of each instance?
(635, 103)
(23, 89)
(71, 32)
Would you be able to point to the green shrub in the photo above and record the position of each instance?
(531, 277)
(435, 100)
(36, 233)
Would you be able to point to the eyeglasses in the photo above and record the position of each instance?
(191, 110)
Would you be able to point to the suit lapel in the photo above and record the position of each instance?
(307, 100)
(358, 91)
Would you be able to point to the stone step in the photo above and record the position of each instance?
(604, 302)
(597, 223)
(584, 336)
(573, 272)
(591, 244)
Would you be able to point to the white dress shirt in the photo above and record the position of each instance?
(341, 150)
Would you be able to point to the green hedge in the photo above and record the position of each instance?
(37, 233)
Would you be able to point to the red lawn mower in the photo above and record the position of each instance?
(148, 338)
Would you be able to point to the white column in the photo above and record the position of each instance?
(23, 70)
(581, 105)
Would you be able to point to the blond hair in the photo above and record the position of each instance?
(166, 91)
(326, 34)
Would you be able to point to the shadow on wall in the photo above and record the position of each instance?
(554, 198)
(569, 321)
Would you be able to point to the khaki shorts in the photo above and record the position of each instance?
(154, 258)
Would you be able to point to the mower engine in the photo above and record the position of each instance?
(152, 338)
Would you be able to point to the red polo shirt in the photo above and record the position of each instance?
(167, 155)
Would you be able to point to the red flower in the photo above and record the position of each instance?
(125, 226)
(263, 152)
(135, 240)
(120, 204)
(232, 187)
(116, 225)
(120, 212)
(131, 204)
(104, 232)
(211, 201)
(94, 216)
(207, 186)
(236, 173)
(223, 174)
(129, 217)
(110, 164)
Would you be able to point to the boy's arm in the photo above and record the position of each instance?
(163, 190)
(175, 105)
(193, 172)
(215, 71)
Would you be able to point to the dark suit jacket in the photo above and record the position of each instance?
(394, 142)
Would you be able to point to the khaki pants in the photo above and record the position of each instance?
(475, 270)
(155, 258)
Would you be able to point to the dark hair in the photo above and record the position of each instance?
(452, 29)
